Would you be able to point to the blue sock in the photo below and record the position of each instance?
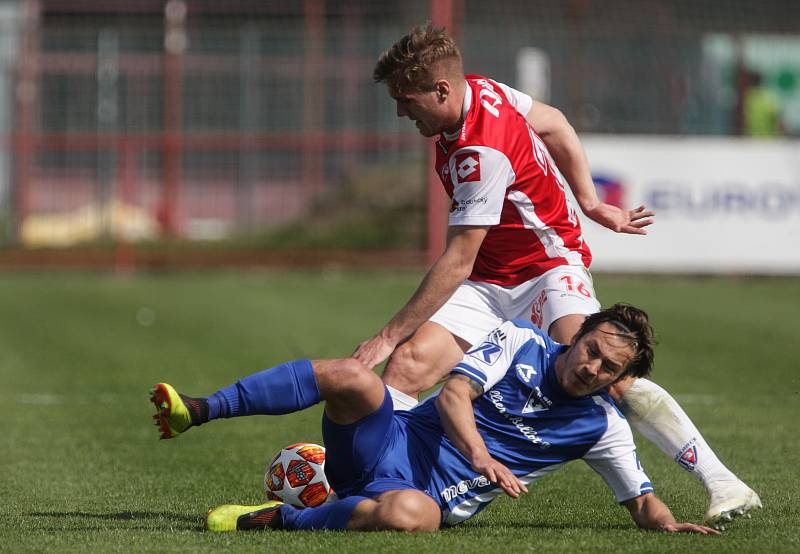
(333, 516)
(283, 389)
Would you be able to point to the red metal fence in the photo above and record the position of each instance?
(214, 134)
(201, 119)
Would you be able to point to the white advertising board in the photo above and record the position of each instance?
(723, 205)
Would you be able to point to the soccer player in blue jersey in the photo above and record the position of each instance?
(517, 407)
(515, 247)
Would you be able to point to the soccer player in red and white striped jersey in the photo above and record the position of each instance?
(514, 248)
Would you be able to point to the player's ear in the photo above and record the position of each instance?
(442, 88)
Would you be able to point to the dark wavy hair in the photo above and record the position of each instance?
(412, 63)
(633, 325)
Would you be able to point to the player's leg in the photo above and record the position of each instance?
(353, 451)
(351, 390)
(420, 362)
(439, 344)
(652, 410)
(333, 516)
(398, 510)
(657, 416)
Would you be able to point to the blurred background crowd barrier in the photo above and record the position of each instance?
(135, 126)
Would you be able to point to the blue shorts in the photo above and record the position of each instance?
(354, 452)
(404, 450)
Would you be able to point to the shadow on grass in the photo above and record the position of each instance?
(123, 516)
(544, 525)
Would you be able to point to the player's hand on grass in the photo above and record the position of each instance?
(500, 475)
(374, 351)
(618, 220)
(689, 528)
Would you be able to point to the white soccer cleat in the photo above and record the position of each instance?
(731, 500)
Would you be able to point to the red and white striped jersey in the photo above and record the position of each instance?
(499, 173)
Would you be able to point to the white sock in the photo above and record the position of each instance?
(656, 415)
(401, 400)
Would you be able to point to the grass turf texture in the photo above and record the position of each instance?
(82, 468)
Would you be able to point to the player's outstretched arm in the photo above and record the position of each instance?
(455, 409)
(564, 145)
(441, 281)
(631, 222)
(649, 512)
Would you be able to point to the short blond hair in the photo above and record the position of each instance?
(416, 61)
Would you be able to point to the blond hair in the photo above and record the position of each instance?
(416, 61)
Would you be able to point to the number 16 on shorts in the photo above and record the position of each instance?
(572, 285)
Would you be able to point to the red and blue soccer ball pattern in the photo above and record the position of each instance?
(296, 475)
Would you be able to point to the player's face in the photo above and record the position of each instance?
(426, 109)
(595, 361)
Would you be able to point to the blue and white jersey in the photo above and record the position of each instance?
(528, 423)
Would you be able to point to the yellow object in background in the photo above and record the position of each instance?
(762, 113)
(91, 222)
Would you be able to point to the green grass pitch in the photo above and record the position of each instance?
(82, 469)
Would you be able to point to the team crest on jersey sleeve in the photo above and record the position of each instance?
(486, 352)
(688, 456)
(468, 167)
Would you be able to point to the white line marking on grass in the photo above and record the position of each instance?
(48, 399)
(40, 399)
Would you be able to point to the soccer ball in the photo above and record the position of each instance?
(296, 475)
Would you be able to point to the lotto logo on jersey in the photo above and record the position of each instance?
(468, 167)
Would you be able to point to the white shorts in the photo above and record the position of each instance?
(477, 308)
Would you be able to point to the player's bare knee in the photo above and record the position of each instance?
(405, 358)
(351, 391)
(345, 376)
(408, 370)
(353, 376)
(407, 511)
